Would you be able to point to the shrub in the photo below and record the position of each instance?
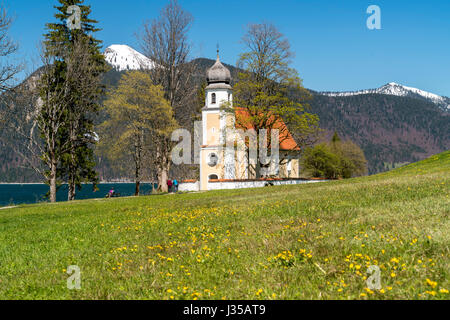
(320, 162)
(337, 159)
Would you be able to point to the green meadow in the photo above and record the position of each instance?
(313, 241)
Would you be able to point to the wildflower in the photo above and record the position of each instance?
(443, 290)
(433, 284)
(368, 290)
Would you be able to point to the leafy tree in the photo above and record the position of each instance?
(263, 93)
(77, 165)
(165, 42)
(353, 160)
(320, 162)
(336, 159)
(140, 120)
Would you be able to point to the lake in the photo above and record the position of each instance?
(13, 194)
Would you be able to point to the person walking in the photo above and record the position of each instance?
(169, 185)
(175, 185)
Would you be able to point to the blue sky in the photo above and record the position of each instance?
(334, 49)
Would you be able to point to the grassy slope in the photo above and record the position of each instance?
(292, 242)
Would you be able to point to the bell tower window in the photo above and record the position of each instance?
(213, 98)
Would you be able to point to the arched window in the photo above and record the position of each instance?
(213, 177)
(213, 98)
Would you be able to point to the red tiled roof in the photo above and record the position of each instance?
(287, 142)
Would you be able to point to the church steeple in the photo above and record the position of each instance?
(218, 73)
(215, 120)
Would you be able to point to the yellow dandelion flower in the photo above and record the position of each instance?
(433, 284)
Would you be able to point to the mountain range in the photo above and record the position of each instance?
(394, 124)
(399, 90)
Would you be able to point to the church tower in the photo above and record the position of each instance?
(214, 120)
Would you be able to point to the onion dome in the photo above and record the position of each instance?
(218, 73)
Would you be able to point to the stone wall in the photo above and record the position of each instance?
(189, 186)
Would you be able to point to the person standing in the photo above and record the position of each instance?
(169, 185)
(175, 185)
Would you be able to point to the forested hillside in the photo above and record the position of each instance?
(391, 130)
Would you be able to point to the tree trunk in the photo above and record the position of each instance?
(52, 181)
(72, 168)
(72, 190)
(138, 178)
(163, 175)
(258, 169)
(138, 188)
(139, 142)
(163, 165)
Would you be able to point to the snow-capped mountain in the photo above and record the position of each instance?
(396, 89)
(123, 57)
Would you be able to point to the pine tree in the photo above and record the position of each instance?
(77, 165)
(335, 138)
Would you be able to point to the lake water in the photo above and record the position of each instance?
(13, 194)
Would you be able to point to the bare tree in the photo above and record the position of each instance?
(38, 111)
(7, 47)
(8, 70)
(36, 123)
(269, 94)
(165, 42)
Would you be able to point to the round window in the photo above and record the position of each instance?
(213, 160)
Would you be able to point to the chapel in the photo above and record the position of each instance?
(218, 163)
